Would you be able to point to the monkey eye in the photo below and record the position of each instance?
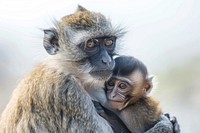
(122, 86)
(90, 43)
(108, 42)
(111, 83)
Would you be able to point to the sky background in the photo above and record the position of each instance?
(165, 35)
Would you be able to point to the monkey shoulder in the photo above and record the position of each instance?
(150, 108)
(148, 105)
(142, 115)
(48, 84)
(160, 122)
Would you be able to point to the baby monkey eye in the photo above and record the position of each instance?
(90, 43)
(111, 83)
(122, 86)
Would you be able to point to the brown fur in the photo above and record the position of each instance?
(52, 97)
(42, 103)
(143, 114)
(84, 19)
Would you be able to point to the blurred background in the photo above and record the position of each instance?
(165, 35)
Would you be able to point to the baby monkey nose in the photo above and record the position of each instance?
(113, 94)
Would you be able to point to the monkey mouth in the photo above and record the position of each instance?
(118, 101)
(116, 104)
(101, 74)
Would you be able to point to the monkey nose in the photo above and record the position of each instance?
(113, 95)
(106, 61)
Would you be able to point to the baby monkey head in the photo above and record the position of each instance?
(129, 83)
(87, 39)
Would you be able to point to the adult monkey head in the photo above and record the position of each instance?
(87, 40)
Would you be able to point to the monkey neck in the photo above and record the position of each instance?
(61, 65)
(91, 85)
(96, 90)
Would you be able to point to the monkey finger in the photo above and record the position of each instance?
(167, 115)
(176, 126)
(173, 120)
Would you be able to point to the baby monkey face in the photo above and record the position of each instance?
(118, 90)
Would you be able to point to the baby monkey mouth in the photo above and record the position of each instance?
(118, 101)
(116, 104)
(101, 74)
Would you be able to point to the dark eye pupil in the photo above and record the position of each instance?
(122, 86)
(90, 44)
(111, 83)
(109, 42)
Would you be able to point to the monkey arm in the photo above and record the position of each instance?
(174, 122)
(82, 109)
(116, 124)
(165, 125)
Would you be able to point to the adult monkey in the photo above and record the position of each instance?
(51, 98)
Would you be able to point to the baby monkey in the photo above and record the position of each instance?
(127, 92)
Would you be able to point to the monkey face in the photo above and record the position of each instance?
(126, 90)
(118, 92)
(99, 53)
(88, 40)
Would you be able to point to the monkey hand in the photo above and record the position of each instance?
(116, 124)
(173, 120)
(164, 125)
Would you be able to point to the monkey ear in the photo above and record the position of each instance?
(148, 85)
(80, 8)
(50, 41)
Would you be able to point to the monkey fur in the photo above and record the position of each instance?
(52, 97)
(128, 92)
(144, 114)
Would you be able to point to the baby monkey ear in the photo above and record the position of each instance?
(50, 41)
(148, 85)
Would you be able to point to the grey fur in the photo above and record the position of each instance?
(52, 97)
(163, 126)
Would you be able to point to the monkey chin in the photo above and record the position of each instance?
(101, 75)
(116, 105)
